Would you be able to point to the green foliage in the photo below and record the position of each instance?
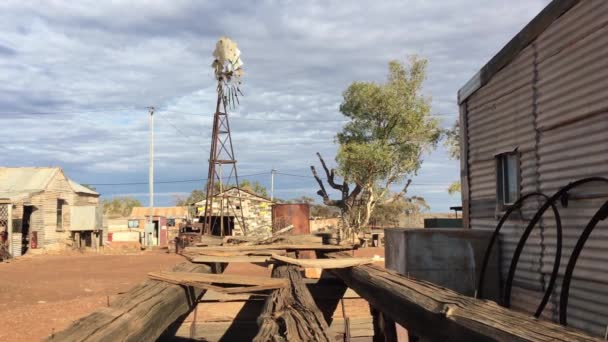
(195, 196)
(454, 188)
(119, 206)
(452, 141)
(392, 213)
(255, 187)
(390, 127)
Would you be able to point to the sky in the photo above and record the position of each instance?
(76, 78)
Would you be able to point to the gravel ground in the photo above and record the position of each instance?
(45, 293)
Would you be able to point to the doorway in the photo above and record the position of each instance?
(25, 229)
(216, 225)
(156, 234)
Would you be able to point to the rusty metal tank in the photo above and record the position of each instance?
(296, 214)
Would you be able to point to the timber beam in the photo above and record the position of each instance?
(434, 312)
(141, 314)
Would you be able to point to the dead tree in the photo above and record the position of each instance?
(348, 198)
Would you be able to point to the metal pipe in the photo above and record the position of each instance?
(517, 205)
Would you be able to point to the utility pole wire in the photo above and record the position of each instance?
(169, 182)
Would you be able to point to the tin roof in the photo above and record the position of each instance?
(508, 53)
(22, 182)
(170, 212)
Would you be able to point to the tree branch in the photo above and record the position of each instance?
(322, 192)
(400, 194)
(330, 175)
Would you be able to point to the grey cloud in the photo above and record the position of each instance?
(76, 58)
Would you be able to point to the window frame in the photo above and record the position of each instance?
(503, 178)
(135, 226)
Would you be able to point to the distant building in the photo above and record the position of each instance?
(534, 119)
(165, 222)
(256, 210)
(40, 207)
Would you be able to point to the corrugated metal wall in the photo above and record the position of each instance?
(572, 119)
(551, 103)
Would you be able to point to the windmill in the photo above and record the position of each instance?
(227, 67)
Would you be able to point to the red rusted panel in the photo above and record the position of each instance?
(296, 214)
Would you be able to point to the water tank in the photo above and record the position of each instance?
(296, 214)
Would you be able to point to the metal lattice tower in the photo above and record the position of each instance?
(222, 171)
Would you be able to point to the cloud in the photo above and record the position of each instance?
(76, 78)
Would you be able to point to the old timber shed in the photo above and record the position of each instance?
(41, 208)
(534, 119)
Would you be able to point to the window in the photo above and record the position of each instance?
(507, 178)
(171, 222)
(133, 223)
(60, 204)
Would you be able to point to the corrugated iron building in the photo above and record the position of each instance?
(40, 207)
(166, 222)
(532, 120)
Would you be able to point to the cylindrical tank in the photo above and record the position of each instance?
(296, 214)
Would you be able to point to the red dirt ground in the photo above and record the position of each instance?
(45, 293)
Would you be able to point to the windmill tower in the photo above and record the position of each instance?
(228, 209)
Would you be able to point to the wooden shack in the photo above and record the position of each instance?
(534, 119)
(41, 208)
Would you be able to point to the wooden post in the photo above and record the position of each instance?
(439, 314)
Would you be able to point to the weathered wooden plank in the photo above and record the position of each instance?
(289, 247)
(441, 314)
(227, 259)
(267, 252)
(290, 314)
(323, 263)
(232, 279)
(246, 284)
(245, 330)
(141, 314)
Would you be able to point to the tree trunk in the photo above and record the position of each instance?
(290, 314)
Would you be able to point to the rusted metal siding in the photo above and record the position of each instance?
(297, 215)
(551, 103)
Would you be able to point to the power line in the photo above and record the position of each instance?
(260, 119)
(171, 181)
(181, 132)
(74, 111)
(288, 120)
(304, 176)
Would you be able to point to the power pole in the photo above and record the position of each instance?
(151, 172)
(272, 173)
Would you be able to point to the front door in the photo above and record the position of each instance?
(25, 228)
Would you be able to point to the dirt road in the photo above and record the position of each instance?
(42, 294)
